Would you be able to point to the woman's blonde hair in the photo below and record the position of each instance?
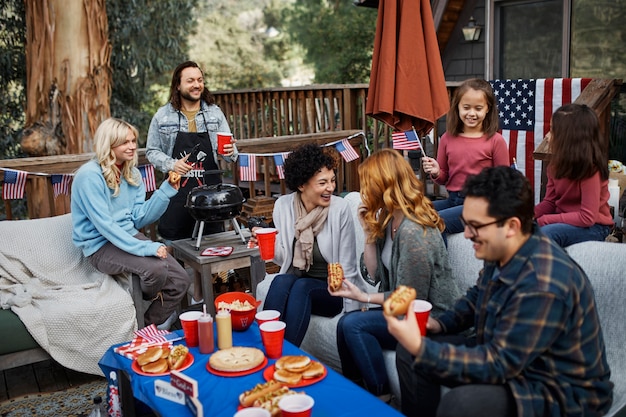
(388, 183)
(110, 134)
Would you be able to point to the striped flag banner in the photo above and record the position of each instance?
(14, 184)
(247, 167)
(279, 161)
(346, 150)
(147, 175)
(406, 140)
(525, 109)
(61, 183)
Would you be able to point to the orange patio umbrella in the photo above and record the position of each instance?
(407, 85)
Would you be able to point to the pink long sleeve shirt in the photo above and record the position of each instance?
(578, 203)
(461, 156)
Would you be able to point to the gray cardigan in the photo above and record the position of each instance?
(419, 259)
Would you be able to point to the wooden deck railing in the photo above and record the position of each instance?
(263, 121)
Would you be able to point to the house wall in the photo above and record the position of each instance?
(461, 59)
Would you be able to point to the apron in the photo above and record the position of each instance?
(177, 223)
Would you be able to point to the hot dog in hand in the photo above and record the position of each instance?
(398, 301)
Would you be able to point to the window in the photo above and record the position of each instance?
(528, 40)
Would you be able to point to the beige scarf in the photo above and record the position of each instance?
(307, 226)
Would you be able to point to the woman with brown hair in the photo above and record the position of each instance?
(575, 208)
(403, 246)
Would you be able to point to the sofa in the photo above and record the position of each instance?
(604, 263)
(54, 303)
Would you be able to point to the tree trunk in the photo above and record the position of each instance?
(68, 75)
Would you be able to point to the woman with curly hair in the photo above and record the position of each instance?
(315, 228)
(109, 207)
(403, 246)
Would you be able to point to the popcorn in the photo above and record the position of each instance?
(235, 306)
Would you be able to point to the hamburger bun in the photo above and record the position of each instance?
(287, 377)
(156, 367)
(150, 355)
(293, 363)
(314, 370)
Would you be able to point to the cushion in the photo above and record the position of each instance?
(10, 324)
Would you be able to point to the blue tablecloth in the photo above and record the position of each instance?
(334, 395)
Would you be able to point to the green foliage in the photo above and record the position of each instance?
(149, 39)
(338, 38)
(234, 48)
(12, 77)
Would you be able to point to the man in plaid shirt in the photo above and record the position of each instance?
(537, 347)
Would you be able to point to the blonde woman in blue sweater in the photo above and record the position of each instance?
(109, 207)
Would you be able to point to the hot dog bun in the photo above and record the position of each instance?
(177, 356)
(247, 398)
(398, 301)
(173, 177)
(335, 276)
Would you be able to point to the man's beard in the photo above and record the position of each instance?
(189, 97)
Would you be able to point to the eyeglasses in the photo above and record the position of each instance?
(473, 228)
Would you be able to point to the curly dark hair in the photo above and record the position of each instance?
(507, 191)
(306, 161)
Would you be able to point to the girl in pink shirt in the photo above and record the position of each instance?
(470, 144)
(575, 208)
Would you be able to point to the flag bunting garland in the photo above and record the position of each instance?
(247, 161)
(147, 175)
(61, 184)
(14, 184)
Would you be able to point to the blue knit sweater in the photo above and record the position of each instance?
(98, 217)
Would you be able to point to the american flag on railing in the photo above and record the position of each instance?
(279, 161)
(14, 184)
(525, 109)
(346, 150)
(147, 175)
(61, 183)
(247, 167)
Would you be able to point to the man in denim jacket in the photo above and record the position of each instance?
(183, 138)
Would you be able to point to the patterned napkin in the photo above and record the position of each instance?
(147, 337)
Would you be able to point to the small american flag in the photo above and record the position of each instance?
(346, 150)
(406, 140)
(147, 175)
(144, 338)
(247, 167)
(525, 109)
(61, 184)
(14, 184)
(279, 161)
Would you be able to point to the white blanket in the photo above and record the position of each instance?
(72, 311)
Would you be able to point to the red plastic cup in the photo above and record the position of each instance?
(297, 405)
(272, 336)
(266, 315)
(266, 237)
(252, 412)
(189, 321)
(222, 139)
(422, 311)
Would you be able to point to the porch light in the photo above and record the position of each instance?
(471, 32)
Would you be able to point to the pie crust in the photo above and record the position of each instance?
(236, 359)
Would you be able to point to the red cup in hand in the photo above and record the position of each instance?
(422, 311)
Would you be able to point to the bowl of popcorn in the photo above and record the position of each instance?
(242, 308)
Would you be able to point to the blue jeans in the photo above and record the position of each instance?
(297, 298)
(450, 210)
(566, 234)
(361, 338)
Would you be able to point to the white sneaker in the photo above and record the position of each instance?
(194, 302)
(168, 323)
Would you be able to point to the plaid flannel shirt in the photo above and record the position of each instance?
(537, 330)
